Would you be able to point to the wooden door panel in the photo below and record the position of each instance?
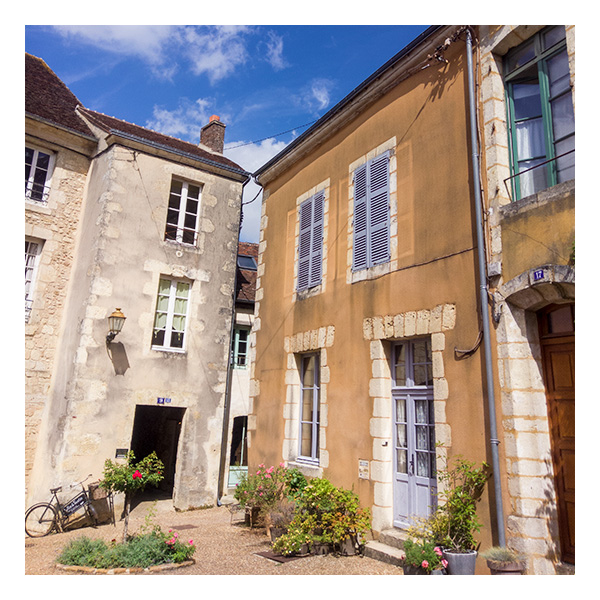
(558, 354)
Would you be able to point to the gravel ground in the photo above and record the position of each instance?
(223, 547)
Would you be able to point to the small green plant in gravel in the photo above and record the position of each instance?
(151, 546)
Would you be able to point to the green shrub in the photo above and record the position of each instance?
(144, 550)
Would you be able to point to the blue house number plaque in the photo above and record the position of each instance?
(163, 400)
(539, 274)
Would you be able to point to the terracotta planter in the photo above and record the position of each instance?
(461, 563)
(513, 568)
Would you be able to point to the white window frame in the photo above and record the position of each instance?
(314, 422)
(33, 251)
(180, 227)
(29, 181)
(170, 314)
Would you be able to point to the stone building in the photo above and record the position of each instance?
(375, 328)
(122, 218)
(527, 85)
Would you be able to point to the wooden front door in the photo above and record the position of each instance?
(557, 337)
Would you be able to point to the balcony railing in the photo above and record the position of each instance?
(36, 192)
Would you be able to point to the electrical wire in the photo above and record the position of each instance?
(272, 136)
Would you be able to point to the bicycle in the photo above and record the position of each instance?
(44, 517)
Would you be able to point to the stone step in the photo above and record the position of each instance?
(384, 553)
(393, 537)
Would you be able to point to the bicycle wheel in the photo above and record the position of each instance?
(40, 519)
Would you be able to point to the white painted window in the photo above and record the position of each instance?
(183, 213)
(308, 439)
(32, 257)
(38, 170)
(170, 320)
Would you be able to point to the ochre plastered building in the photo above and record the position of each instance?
(367, 361)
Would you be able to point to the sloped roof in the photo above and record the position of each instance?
(114, 125)
(46, 96)
(246, 279)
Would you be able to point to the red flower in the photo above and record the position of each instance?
(137, 475)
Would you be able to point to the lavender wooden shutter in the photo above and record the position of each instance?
(316, 250)
(359, 246)
(379, 210)
(304, 244)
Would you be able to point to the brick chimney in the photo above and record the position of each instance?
(213, 135)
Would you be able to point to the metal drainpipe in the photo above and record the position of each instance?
(483, 292)
(227, 407)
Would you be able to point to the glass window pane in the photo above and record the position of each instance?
(307, 405)
(43, 161)
(172, 217)
(422, 437)
(422, 411)
(193, 192)
(189, 221)
(162, 303)
(401, 461)
(555, 35)
(180, 306)
(308, 363)
(192, 206)
(178, 322)
(563, 118)
(401, 439)
(306, 440)
(158, 337)
(420, 376)
(558, 74)
(164, 285)
(533, 181)
(176, 187)
(176, 339)
(521, 56)
(422, 464)
(400, 374)
(566, 164)
(401, 410)
(530, 139)
(526, 99)
(160, 320)
(183, 289)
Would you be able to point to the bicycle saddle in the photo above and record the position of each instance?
(54, 490)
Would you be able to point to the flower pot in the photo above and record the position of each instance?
(512, 568)
(319, 548)
(276, 532)
(348, 546)
(460, 563)
(413, 570)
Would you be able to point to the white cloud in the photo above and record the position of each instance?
(216, 51)
(275, 51)
(316, 95)
(147, 42)
(183, 122)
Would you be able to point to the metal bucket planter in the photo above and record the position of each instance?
(276, 532)
(461, 563)
(348, 546)
(319, 548)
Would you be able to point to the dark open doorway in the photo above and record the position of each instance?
(157, 428)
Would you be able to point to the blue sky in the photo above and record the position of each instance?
(262, 80)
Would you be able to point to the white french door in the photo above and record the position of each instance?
(415, 489)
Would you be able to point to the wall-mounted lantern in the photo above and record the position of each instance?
(115, 324)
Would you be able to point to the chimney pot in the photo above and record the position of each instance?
(212, 135)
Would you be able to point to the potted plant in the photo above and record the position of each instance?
(423, 558)
(462, 485)
(504, 561)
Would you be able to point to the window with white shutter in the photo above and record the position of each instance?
(310, 242)
(371, 242)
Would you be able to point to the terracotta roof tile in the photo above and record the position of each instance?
(46, 96)
(109, 124)
(246, 278)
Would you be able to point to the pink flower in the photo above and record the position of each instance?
(444, 563)
(438, 551)
(191, 542)
(175, 535)
(136, 475)
(282, 464)
(424, 564)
